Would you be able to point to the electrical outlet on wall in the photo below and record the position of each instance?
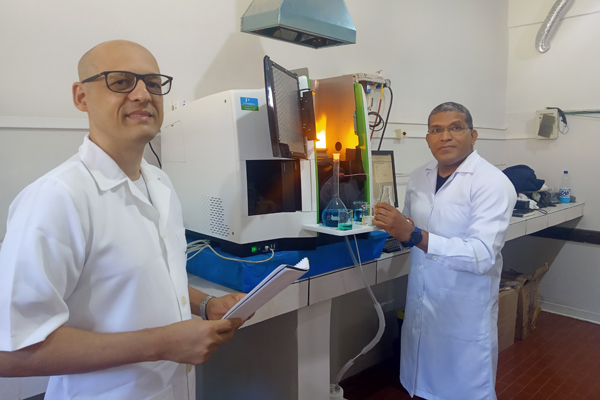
(400, 133)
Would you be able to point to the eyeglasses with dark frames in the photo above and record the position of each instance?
(125, 81)
(454, 130)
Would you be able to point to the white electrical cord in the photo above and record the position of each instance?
(379, 333)
(198, 245)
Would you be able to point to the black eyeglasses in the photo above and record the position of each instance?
(453, 130)
(125, 81)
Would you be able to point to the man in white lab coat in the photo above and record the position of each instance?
(93, 286)
(456, 213)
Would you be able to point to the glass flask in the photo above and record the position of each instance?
(358, 206)
(329, 216)
(386, 195)
(345, 220)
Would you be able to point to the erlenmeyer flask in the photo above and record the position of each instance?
(329, 216)
(386, 195)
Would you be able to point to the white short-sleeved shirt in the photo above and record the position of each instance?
(86, 249)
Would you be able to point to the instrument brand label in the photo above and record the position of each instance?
(249, 103)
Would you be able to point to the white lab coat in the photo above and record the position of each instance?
(449, 335)
(86, 249)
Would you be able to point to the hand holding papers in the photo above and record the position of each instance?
(279, 279)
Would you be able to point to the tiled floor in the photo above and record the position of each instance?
(559, 360)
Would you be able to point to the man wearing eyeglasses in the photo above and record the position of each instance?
(456, 213)
(93, 286)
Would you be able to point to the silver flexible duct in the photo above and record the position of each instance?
(541, 41)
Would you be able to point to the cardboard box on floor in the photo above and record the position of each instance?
(507, 316)
(527, 306)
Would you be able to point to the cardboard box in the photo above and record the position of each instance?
(507, 317)
(527, 306)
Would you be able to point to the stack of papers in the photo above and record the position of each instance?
(275, 282)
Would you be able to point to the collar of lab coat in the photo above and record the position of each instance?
(467, 167)
(107, 174)
(104, 169)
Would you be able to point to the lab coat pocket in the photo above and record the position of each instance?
(166, 394)
(451, 219)
(461, 315)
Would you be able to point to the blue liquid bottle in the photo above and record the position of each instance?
(329, 216)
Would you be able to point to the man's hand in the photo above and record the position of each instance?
(194, 341)
(218, 306)
(388, 218)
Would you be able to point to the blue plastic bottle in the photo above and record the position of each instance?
(564, 194)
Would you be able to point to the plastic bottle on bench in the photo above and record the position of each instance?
(564, 192)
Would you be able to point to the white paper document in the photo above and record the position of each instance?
(275, 282)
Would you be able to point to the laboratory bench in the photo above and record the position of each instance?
(542, 219)
(310, 299)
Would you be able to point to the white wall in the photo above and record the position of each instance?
(565, 77)
(432, 51)
(199, 43)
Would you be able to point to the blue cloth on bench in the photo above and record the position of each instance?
(244, 276)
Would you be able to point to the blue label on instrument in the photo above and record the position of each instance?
(249, 103)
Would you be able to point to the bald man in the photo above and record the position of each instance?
(93, 286)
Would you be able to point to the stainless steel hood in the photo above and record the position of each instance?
(311, 23)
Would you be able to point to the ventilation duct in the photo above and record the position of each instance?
(542, 40)
(311, 23)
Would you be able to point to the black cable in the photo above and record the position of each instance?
(379, 121)
(560, 112)
(156, 155)
(563, 117)
(387, 117)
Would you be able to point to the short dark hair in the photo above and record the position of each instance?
(451, 106)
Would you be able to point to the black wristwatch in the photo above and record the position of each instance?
(415, 237)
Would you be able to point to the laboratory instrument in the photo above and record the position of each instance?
(251, 167)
